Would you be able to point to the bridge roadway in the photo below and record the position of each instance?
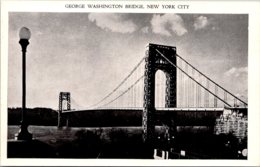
(133, 116)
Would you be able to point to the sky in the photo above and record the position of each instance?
(88, 54)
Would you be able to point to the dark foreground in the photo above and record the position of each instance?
(121, 143)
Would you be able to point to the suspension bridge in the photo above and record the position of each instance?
(166, 89)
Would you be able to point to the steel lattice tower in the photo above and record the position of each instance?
(154, 62)
(64, 96)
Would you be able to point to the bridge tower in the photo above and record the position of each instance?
(63, 97)
(154, 62)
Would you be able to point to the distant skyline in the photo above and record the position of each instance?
(88, 54)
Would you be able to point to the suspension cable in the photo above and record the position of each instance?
(211, 80)
(124, 92)
(120, 84)
(191, 77)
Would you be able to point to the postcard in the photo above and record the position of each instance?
(139, 83)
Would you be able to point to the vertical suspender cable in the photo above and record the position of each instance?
(215, 99)
(235, 102)
(186, 86)
(174, 65)
(200, 92)
(207, 93)
(220, 87)
(225, 96)
(181, 86)
(193, 89)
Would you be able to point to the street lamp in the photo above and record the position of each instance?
(23, 134)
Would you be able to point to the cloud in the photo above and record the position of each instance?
(200, 22)
(39, 33)
(237, 84)
(214, 28)
(113, 22)
(145, 29)
(236, 72)
(167, 24)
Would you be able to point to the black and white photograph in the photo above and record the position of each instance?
(127, 85)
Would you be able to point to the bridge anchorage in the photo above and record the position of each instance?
(64, 105)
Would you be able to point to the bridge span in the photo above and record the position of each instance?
(180, 85)
(133, 116)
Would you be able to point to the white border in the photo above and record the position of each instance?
(251, 7)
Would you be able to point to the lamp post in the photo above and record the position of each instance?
(23, 134)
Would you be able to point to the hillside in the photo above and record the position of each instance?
(35, 116)
(49, 117)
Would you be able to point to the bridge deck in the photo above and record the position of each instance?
(140, 108)
(133, 116)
